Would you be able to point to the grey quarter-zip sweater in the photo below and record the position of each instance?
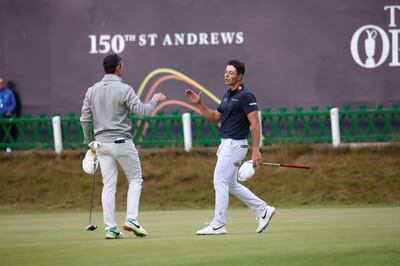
(106, 109)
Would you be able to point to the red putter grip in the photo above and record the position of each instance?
(295, 166)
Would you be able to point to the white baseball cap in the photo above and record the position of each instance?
(246, 171)
(90, 163)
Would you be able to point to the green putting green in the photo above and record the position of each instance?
(295, 236)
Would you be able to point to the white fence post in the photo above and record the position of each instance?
(58, 145)
(261, 130)
(335, 127)
(187, 131)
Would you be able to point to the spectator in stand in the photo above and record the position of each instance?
(12, 86)
(7, 108)
(7, 101)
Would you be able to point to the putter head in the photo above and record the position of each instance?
(91, 227)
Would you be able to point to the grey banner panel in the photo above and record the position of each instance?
(297, 53)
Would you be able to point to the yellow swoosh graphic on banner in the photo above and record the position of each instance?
(179, 74)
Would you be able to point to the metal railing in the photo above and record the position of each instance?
(298, 126)
(370, 125)
(158, 131)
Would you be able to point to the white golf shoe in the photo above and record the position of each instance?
(134, 226)
(212, 230)
(114, 233)
(264, 218)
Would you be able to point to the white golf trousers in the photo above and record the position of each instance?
(225, 180)
(109, 154)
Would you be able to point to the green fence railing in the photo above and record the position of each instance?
(204, 133)
(370, 125)
(71, 130)
(158, 131)
(26, 132)
(298, 126)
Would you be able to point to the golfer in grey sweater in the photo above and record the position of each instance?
(106, 109)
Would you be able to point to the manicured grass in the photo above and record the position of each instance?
(298, 236)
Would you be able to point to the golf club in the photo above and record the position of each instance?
(237, 164)
(92, 227)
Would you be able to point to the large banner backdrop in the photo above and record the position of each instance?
(297, 53)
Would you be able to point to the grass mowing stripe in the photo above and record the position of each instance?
(302, 236)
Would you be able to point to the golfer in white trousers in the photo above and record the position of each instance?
(106, 112)
(238, 115)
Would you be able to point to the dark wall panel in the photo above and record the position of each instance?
(296, 52)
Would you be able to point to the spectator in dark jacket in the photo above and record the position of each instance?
(7, 101)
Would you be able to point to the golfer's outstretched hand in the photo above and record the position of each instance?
(193, 97)
(160, 96)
